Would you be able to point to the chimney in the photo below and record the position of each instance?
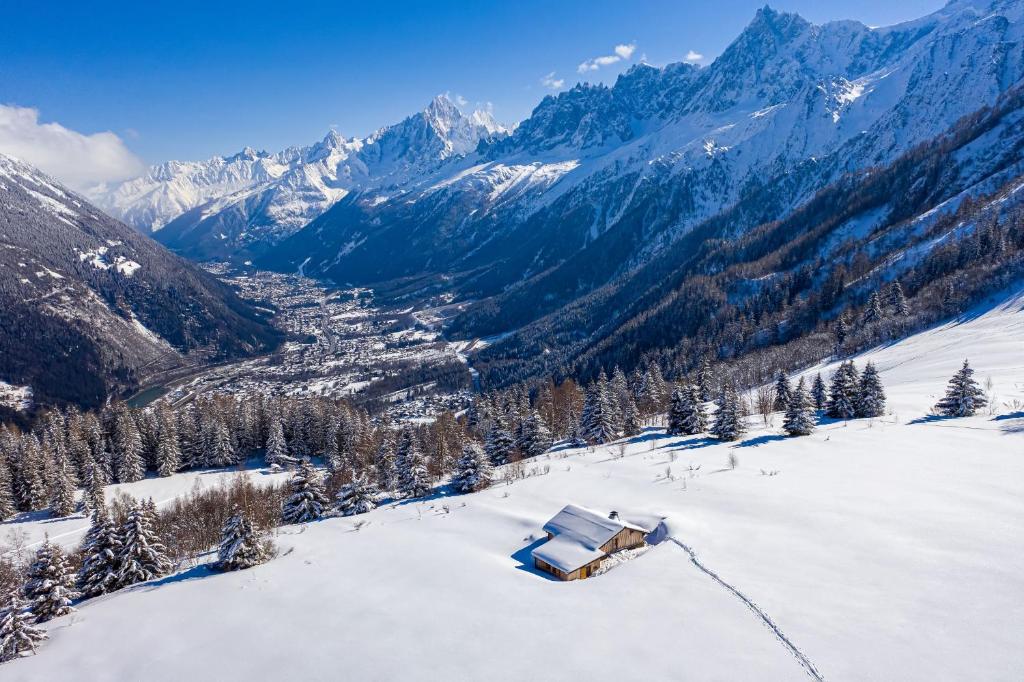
(613, 515)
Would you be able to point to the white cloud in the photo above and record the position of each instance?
(75, 159)
(461, 101)
(693, 57)
(623, 52)
(549, 81)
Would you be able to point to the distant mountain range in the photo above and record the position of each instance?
(90, 305)
(579, 225)
(226, 207)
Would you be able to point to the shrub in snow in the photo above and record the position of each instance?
(49, 584)
(240, 545)
(964, 396)
(100, 550)
(472, 471)
(141, 556)
(357, 497)
(17, 635)
(307, 499)
(870, 395)
(799, 420)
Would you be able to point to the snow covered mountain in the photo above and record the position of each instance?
(599, 179)
(90, 304)
(224, 205)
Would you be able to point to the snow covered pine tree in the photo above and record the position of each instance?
(240, 545)
(870, 394)
(50, 584)
(729, 423)
(964, 396)
(473, 470)
(307, 500)
(799, 419)
(100, 550)
(357, 497)
(842, 401)
(17, 635)
(141, 556)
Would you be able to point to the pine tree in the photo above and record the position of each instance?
(220, 450)
(799, 419)
(473, 470)
(141, 556)
(842, 330)
(357, 497)
(7, 509)
(964, 397)
(870, 395)
(128, 460)
(413, 479)
(100, 550)
(597, 421)
(30, 488)
(49, 584)
(630, 418)
(94, 497)
(729, 424)
(704, 381)
(536, 437)
(307, 499)
(818, 393)
(276, 448)
(696, 419)
(17, 635)
(842, 400)
(873, 312)
(63, 500)
(783, 392)
(240, 545)
(678, 409)
(499, 444)
(575, 437)
(168, 448)
(897, 301)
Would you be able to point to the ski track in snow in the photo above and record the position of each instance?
(757, 610)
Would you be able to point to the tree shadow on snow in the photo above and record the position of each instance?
(760, 440)
(929, 418)
(1015, 419)
(194, 573)
(689, 444)
(524, 559)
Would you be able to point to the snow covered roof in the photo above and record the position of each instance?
(578, 534)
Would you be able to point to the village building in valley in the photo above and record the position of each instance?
(579, 539)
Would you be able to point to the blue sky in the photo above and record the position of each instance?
(189, 80)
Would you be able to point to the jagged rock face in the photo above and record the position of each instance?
(225, 207)
(599, 179)
(103, 304)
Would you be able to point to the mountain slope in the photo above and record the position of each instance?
(90, 305)
(229, 207)
(598, 180)
(863, 528)
(717, 294)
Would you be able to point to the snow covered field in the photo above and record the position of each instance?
(886, 549)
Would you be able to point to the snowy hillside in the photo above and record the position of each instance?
(878, 549)
(103, 304)
(222, 205)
